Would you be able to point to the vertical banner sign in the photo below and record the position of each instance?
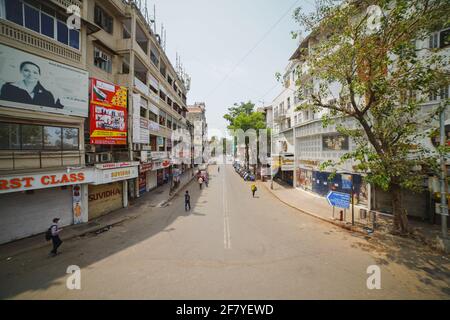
(136, 118)
(76, 204)
(108, 113)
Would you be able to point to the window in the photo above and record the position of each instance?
(74, 39)
(31, 137)
(104, 20)
(102, 60)
(169, 122)
(433, 41)
(143, 112)
(444, 38)
(154, 90)
(14, 11)
(162, 69)
(9, 136)
(444, 93)
(154, 57)
(169, 101)
(433, 96)
(152, 116)
(162, 118)
(47, 25)
(39, 18)
(70, 138)
(169, 79)
(162, 95)
(288, 102)
(63, 32)
(32, 18)
(36, 137)
(52, 138)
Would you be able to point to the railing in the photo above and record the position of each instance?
(67, 3)
(18, 160)
(20, 34)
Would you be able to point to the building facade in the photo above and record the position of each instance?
(88, 112)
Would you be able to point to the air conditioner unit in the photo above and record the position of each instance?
(101, 55)
(90, 158)
(105, 157)
(89, 148)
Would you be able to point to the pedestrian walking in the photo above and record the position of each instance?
(206, 179)
(187, 201)
(254, 188)
(54, 231)
(218, 169)
(200, 182)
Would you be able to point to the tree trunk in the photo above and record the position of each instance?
(400, 215)
(246, 155)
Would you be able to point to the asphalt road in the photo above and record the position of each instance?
(229, 246)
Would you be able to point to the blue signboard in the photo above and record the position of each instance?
(347, 181)
(339, 199)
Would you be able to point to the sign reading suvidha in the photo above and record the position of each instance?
(34, 83)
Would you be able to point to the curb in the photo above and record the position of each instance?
(432, 244)
(343, 226)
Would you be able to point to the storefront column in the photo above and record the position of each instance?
(136, 187)
(85, 203)
(125, 193)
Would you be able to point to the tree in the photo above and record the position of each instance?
(243, 117)
(368, 48)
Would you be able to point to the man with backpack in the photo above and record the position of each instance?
(53, 234)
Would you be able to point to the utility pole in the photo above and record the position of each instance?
(444, 186)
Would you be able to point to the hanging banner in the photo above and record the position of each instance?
(108, 113)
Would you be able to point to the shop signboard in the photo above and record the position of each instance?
(287, 163)
(108, 113)
(161, 164)
(24, 182)
(112, 175)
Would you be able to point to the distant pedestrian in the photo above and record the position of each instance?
(55, 230)
(218, 169)
(254, 188)
(187, 201)
(200, 182)
(206, 179)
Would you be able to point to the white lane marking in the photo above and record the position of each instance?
(226, 225)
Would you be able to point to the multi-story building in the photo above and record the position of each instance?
(87, 111)
(284, 118)
(315, 144)
(197, 116)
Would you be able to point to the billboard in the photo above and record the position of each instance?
(108, 113)
(34, 83)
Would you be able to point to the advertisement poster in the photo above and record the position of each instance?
(334, 142)
(76, 201)
(34, 83)
(108, 114)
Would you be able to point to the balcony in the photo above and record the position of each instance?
(17, 33)
(21, 160)
(67, 3)
(279, 116)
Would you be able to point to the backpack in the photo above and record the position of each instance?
(48, 234)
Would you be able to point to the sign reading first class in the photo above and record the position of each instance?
(41, 181)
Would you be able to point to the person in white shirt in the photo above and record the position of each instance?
(55, 230)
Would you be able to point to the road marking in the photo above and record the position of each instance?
(226, 224)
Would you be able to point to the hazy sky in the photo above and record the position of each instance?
(230, 48)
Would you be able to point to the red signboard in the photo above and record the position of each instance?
(108, 113)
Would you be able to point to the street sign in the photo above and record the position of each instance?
(338, 199)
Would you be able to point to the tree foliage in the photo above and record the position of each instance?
(368, 48)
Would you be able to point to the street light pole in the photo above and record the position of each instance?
(444, 186)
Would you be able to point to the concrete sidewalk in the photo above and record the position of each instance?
(318, 207)
(154, 198)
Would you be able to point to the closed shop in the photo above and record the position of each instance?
(105, 198)
(151, 180)
(31, 212)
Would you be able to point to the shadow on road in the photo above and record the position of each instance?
(34, 271)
